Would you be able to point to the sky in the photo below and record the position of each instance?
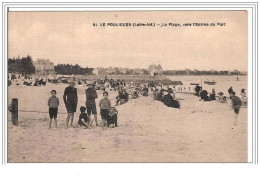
(70, 37)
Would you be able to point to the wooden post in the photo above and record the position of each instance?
(15, 111)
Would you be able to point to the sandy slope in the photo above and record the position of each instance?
(148, 132)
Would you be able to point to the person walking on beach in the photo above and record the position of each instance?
(91, 95)
(70, 98)
(230, 90)
(53, 104)
(236, 104)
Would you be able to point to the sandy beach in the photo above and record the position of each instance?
(148, 131)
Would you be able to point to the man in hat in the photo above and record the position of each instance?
(70, 98)
(91, 95)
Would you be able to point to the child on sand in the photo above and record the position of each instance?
(83, 118)
(105, 106)
(236, 104)
(53, 104)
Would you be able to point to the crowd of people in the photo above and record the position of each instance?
(236, 101)
(24, 79)
(126, 91)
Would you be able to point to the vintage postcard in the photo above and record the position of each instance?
(128, 86)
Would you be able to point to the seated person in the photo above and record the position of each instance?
(145, 91)
(155, 93)
(122, 97)
(135, 94)
(83, 118)
(221, 97)
(169, 101)
(243, 97)
(212, 95)
(159, 95)
(112, 117)
(204, 95)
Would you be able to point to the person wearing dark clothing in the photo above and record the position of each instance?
(197, 90)
(91, 96)
(230, 90)
(169, 101)
(159, 96)
(145, 91)
(204, 95)
(83, 118)
(13, 77)
(122, 97)
(212, 95)
(236, 104)
(112, 117)
(70, 98)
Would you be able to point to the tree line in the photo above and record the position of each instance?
(68, 69)
(25, 65)
(21, 65)
(197, 72)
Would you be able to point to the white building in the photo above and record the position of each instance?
(43, 66)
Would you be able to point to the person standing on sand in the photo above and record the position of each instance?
(70, 98)
(236, 104)
(53, 104)
(105, 106)
(91, 95)
(230, 90)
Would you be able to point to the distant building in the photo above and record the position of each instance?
(95, 71)
(44, 66)
(155, 70)
(99, 71)
(110, 70)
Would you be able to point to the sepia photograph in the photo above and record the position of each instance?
(128, 86)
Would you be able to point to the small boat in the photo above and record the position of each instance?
(210, 82)
(195, 84)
